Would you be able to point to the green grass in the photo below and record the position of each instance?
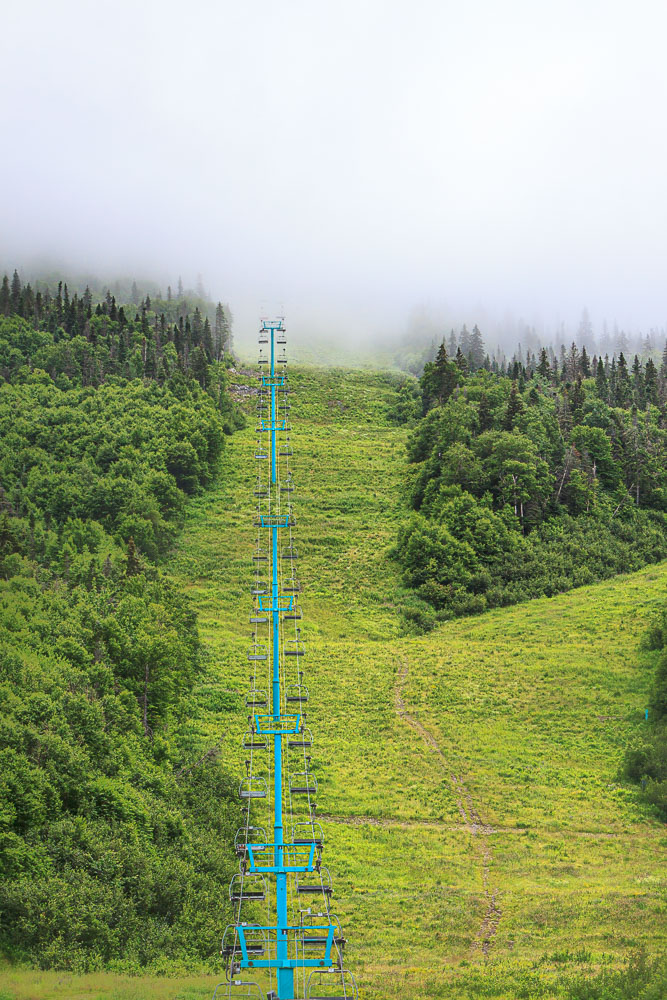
(479, 839)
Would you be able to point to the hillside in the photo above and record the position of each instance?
(479, 840)
(481, 761)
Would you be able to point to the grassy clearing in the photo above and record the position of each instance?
(479, 839)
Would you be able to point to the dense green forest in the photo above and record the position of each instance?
(113, 846)
(529, 479)
(73, 338)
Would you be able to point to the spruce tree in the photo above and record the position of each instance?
(601, 381)
(476, 349)
(5, 297)
(514, 407)
(651, 382)
(544, 368)
(15, 291)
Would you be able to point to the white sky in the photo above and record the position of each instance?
(352, 160)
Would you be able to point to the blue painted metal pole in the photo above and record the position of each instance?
(285, 976)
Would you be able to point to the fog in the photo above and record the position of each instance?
(346, 162)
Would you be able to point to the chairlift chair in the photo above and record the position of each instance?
(302, 783)
(257, 699)
(247, 889)
(294, 614)
(253, 788)
(314, 937)
(285, 451)
(260, 555)
(305, 886)
(296, 694)
(258, 619)
(258, 651)
(304, 834)
(259, 588)
(331, 984)
(237, 989)
(256, 941)
(290, 552)
(286, 486)
(294, 647)
(253, 742)
(302, 740)
(292, 586)
(248, 835)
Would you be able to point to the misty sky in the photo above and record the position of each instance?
(352, 161)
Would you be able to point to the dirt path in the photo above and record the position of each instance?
(472, 820)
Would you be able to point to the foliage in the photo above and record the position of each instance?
(78, 342)
(521, 493)
(113, 849)
(646, 760)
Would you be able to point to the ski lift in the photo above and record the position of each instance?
(253, 742)
(287, 486)
(258, 651)
(253, 788)
(292, 586)
(255, 939)
(258, 619)
(246, 835)
(293, 615)
(303, 740)
(261, 452)
(281, 338)
(260, 555)
(294, 647)
(237, 989)
(260, 491)
(285, 451)
(331, 984)
(247, 889)
(314, 937)
(296, 694)
(304, 834)
(289, 552)
(259, 588)
(263, 337)
(262, 361)
(257, 699)
(302, 783)
(321, 888)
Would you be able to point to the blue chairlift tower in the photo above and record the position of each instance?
(297, 944)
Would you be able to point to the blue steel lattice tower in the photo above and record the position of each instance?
(297, 945)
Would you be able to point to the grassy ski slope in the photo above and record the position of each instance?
(479, 840)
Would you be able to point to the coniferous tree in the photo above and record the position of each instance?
(451, 344)
(476, 349)
(514, 407)
(460, 361)
(5, 297)
(601, 385)
(15, 291)
(585, 364)
(651, 382)
(544, 367)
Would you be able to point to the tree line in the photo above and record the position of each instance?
(74, 336)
